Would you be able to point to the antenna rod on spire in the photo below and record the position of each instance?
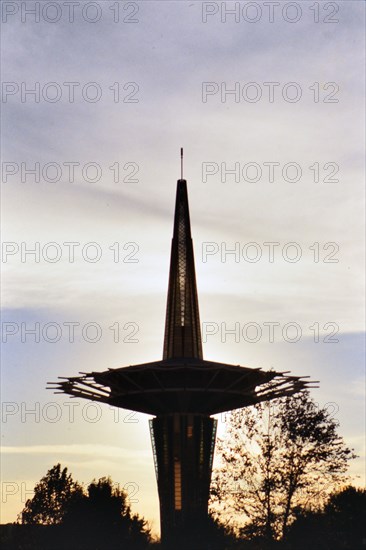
(181, 163)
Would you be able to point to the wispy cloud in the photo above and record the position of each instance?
(79, 450)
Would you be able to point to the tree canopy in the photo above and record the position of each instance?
(339, 525)
(99, 518)
(52, 498)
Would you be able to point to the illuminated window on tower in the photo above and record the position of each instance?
(177, 486)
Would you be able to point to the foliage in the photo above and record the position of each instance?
(275, 457)
(104, 512)
(339, 525)
(52, 497)
(99, 518)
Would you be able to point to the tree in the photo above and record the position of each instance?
(275, 457)
(103, 519)
(99, 518)
(102, 507)
(52, 497)
(338, 525)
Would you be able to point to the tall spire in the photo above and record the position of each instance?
(182, 324)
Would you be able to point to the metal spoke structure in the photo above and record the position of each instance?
(182, 391)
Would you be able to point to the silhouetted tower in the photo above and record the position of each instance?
(183, 437)
(182, 391)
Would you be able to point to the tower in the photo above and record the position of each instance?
(182, 391)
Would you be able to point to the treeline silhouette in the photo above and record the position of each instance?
(62, 516)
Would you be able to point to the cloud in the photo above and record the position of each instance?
(81, 451)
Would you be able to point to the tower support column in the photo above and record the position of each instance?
(183, 446)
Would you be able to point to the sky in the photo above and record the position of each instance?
(267, 102)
